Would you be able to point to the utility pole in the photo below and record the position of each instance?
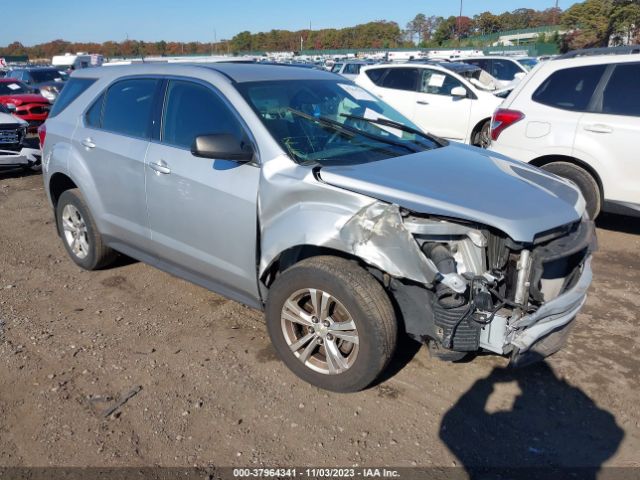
(460, 23)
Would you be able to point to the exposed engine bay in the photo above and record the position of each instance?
(468, 288)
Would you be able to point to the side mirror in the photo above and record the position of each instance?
(222, 146)
(11, 107)
(459, 92)
(520, 75)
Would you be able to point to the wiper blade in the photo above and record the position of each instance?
(400, 126)
(327, 122)
(349, 130)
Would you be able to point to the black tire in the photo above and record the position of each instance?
(585, 182)
(482, 137)
(98, 255)
(365, 300)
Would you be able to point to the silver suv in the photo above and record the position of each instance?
(299, 193)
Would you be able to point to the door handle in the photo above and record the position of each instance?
(598, 128)
(160, 168)
(88, 142)
(422, 102)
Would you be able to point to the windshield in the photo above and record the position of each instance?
(328, 121)
(53, 75)
(13, 88)
(528, 63)
(481, 79)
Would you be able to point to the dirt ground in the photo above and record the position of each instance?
(213, 393)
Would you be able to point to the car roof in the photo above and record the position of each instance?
(36, 68)
(237, 72)
(441, 66)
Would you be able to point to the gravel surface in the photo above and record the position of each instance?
(204, 386)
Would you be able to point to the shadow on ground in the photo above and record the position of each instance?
(536, 426)
(619, 223)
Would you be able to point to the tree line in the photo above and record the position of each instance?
(588, 24)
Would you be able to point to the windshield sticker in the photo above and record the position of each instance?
(13, 86)
(436, 80)
(357, 92)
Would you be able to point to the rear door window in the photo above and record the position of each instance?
(505, 70)
(128, 107)
(570, 88)
(93, 117)
(621, 96)
(401, 79)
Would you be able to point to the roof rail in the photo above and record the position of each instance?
(591, 52)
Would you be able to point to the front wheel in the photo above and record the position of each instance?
(331, 323)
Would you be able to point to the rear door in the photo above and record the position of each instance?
(436, 110)
(113, 139)
(610, 132)
(202, 212)
(398, 88)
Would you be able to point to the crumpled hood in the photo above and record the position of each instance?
(468, 183)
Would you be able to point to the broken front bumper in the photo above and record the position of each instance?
(530, 331)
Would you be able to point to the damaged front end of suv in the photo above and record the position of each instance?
(464, 287)
(476, 252)
(511, 284)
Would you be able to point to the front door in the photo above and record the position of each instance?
(202, 212)
(437, 111)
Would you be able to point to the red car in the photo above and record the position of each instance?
(31, 107)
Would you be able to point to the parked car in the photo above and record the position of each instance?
(349, 69)
(13, 130)
(29, 106)
(527, 62)
(48, 81)
(452, 100)
(578, 116)
(299, 193)
(506, 69)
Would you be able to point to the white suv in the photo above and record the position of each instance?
(579, 117)
(451, 100)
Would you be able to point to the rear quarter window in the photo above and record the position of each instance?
(570, 88)
(72, 90)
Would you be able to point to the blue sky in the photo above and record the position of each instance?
(183, 20)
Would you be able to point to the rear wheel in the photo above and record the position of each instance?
(584, 181)
(79, 233)
(482, 137)
(331, 323)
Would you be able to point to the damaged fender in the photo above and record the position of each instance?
(297, 209)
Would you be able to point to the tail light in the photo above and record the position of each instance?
(42, 134)
(502, 119)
